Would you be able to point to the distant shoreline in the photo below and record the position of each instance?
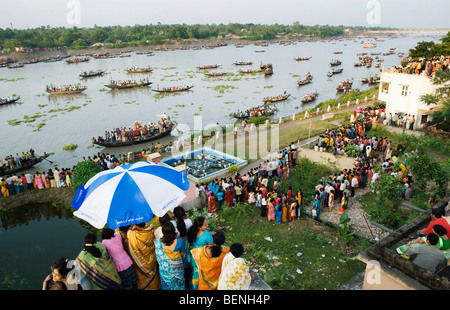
(23, 56)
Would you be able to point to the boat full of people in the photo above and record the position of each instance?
(6, 100)
(11, 165)
(307, 80)
(122, 84)
(242, 63)
(172, 89)
(64, 89)
(262, 110)
(302, 58)
(310, 97)
(75, 60)
(91, 73)
(205, 67)
(335, 62)
(139, 70)
(345, 86)
(137, 133)
(270, 99)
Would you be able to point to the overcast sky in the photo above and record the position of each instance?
(404, 14)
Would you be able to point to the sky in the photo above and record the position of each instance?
(402, 14)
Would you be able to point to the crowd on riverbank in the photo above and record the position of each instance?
(17, 183)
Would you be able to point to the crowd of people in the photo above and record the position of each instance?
(137, 130)
(424, 66)
(20, 182)
(171, 252)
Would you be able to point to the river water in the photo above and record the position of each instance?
(75, 119)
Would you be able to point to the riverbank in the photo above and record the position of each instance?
(171, 45)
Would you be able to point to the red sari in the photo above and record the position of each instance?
(229, 197)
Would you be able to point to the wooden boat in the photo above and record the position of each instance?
(249, 71)
(337, 52)
(216, 73)
(15, 65)
(335, 62)
(264, 110)
(128, 84)
(139, 70)
(302, 58)
(203, 67)
(310, 97)
(91, 73)
(149, 53)
(268, 71)
(307, 80)
(276, 99)
(25, 166)
(173, 89)
(135, 140)
(345, 85)
(8, 100)
(75, 60)
(65, 90)
(242, 63)
(329, 74)
(337, 71)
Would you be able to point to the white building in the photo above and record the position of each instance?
(402, 92)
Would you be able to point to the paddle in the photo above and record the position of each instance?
(46, 158)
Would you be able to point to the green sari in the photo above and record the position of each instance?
(101, 271)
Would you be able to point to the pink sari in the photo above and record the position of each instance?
(39, 182)
(271, 211)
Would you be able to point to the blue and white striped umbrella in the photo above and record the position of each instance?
(129, 194)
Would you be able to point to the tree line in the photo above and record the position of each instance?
(429, 49)
(77, 38)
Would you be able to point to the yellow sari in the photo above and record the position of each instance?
(4, 187)
(141, 244)
(209, 268)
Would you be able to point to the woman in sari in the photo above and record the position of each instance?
(170, 253)
(343, 204)
(141, 246)
(209, 260)
(235, 273)
(197, 237)
(278, 213)
(38, 180)
(96, 266)
(4, 186)
(270, 210)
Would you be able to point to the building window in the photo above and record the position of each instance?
(385, 88)
(424, 119)
(404, 90)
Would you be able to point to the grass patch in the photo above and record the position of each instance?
(303, 255)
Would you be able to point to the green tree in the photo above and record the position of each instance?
(12, 43)
(441, 118)
(84, 171)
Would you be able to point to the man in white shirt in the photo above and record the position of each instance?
(354, 185)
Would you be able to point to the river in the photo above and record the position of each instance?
(75, 119)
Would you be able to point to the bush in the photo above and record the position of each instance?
(84, 171)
